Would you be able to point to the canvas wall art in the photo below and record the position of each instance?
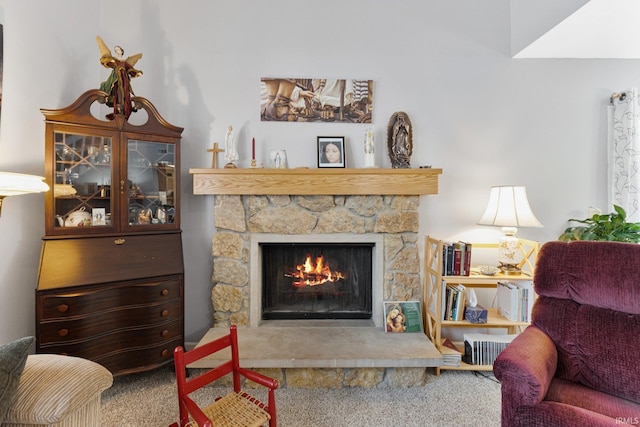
(315, 100)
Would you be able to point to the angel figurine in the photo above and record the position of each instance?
(118, 85)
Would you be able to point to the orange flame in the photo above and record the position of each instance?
(309, 274)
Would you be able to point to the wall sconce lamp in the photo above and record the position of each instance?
(14, 184)
(509, 208)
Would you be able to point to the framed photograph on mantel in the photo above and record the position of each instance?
(402, 316)
(331, 152)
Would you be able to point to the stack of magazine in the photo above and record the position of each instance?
(451, 356)
(483, 349)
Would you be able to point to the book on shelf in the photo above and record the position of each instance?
(527, 297)
(447, 259)
(453, 301)
(515, 300)
(467, 259)
(508, 295)
(456, 258)
(483, 349)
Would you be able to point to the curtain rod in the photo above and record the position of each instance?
(620, 95)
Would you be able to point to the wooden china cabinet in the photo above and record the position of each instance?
(111, 275)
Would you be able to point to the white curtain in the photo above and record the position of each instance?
(624, 153)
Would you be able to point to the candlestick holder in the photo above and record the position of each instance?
(253, 163)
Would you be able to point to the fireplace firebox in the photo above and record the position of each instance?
(317, 280)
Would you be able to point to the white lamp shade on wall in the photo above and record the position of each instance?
(509, 207)
(15, 184)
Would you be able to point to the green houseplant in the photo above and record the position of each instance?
(612, 227)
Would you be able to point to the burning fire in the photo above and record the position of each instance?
(308, 274)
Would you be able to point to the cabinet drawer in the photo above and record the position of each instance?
(127, 318)
(135, 337)
(124, 360)
(137, 359)
(68, 303)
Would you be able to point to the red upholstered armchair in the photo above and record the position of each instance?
(578, 363)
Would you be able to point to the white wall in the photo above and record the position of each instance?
(483, 117)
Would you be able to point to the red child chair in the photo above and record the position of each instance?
(237, 408)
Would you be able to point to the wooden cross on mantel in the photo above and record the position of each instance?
(215, 150)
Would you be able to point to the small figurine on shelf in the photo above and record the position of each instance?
(231, 154)
(400, 140)
(215, 150)
(118, 85)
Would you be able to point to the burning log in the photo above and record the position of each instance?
(309, 274)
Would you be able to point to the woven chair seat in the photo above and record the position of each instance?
(237, 410)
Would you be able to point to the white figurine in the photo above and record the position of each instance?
(369, 149)
(231, 154)
(473, 298)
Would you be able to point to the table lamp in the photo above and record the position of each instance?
(14, 184)
(509, 208)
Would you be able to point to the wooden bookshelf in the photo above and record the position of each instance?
(433, 303)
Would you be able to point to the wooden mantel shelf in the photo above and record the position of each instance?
(301, 181)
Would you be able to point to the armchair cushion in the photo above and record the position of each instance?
(557, 414)
(54, 386)
(12, 360)
(570, 393)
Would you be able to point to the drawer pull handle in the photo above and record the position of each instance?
(165, 292)
(165, 353)
(119, 241)
(164, 313)
(63, 332)
(165, 333)
(63, 308)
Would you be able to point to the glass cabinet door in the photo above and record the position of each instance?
(151, 183)
(82, 181)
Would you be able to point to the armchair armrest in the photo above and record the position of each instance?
(525, 369)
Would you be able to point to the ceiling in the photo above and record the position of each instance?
(575, 29)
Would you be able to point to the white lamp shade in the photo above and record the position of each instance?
(509, 207)
(13, 184)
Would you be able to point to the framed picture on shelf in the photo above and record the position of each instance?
(277, 159)
(402, 316)
(331, 152)
(98, 216)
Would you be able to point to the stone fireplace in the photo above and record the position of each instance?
(376, 207)
(243, 223)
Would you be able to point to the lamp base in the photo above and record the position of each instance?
(509, 268)
(509, 254)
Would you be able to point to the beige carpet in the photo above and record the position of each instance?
(452, 399)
